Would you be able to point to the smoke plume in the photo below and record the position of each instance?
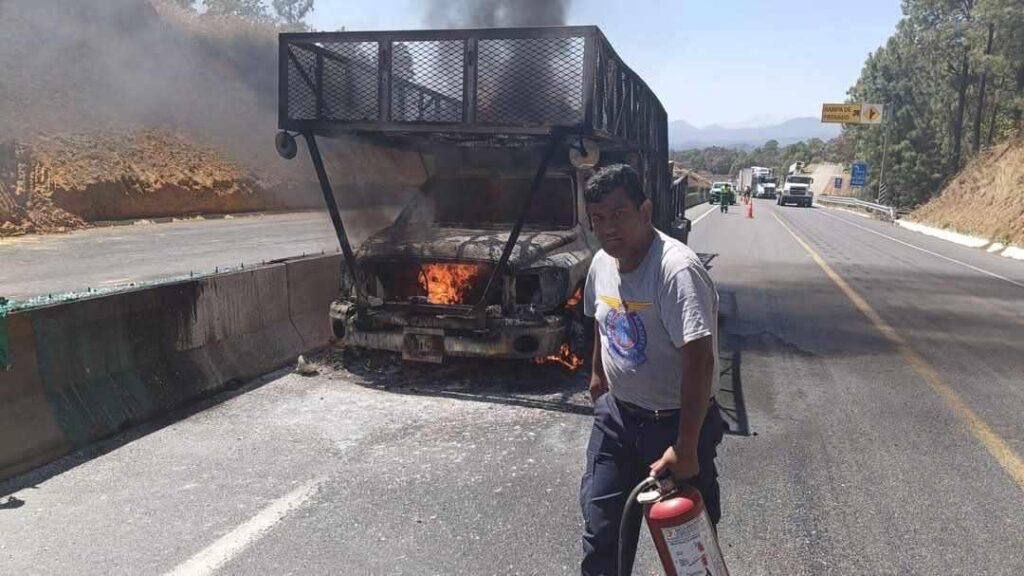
(496, 13)
(73, 66)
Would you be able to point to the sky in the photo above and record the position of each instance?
(726, 62)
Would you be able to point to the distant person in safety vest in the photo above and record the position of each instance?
(655, 363)
(724, 197)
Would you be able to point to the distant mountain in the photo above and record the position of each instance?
(682, 134)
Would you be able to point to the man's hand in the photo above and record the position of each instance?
(682, 464)
(598, 387)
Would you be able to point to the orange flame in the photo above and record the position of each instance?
(565, 357)
(447, 283)
(574, 299)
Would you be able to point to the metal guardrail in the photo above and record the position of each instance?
(887, 211)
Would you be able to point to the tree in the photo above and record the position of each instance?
(186, 4)
(930, 75)
(292, 13)
(254, 10)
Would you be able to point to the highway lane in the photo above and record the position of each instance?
(112, 256)
(857, 458)
(845, 459)
(116, 256)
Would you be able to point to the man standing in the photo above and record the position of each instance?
(654, 367)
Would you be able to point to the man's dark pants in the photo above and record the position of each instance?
(623, 445)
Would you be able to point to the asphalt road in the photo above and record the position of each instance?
(114, 256)
(876, 412)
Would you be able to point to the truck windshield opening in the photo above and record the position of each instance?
(493, 202)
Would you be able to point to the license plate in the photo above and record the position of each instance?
(423, 345)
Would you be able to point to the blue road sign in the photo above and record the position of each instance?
(859, 174)
(838, 183)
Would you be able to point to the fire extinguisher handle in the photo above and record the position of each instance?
(664, 481)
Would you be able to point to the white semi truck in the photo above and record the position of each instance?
(797, 190)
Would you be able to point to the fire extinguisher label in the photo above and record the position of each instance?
(694, 549)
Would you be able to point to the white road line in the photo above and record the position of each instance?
(701, 217)
(231, 544)
(926, 251)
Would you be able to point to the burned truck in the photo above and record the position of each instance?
(490, 256)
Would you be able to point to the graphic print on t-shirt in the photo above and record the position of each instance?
(627, 336)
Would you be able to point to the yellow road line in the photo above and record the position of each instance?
(1000, 450)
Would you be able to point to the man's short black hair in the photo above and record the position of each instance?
(612, 177)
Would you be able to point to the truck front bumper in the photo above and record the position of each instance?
(433, 337)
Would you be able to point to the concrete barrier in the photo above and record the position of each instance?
(696, 198)
(79, 371)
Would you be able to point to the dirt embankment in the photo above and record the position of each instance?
(157, 111)
(986, 199)
(696, 180)
(61, 183)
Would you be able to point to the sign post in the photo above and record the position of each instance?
(859, 113)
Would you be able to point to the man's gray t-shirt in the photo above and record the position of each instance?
(645, 316)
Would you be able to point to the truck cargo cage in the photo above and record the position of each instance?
(546, 84)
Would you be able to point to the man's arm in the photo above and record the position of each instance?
(598, 380)
(698, 370)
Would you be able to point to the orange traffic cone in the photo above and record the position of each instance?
(750, 210)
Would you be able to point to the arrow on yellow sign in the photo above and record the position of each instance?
(871, 114)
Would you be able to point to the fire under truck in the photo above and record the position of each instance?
(490, 256)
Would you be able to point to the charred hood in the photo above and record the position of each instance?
(453, 244)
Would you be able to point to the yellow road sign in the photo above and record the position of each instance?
(859, 113)
(841, 113)
(871, 114)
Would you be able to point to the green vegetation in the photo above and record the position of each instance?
(952, 81)
(286, 14)
(719, 160)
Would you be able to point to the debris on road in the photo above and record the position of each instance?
(305, 368)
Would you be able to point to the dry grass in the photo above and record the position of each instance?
(695, 181)
(986, 199)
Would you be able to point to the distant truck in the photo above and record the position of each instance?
(758, 181)
(746, 181)
(489, 257)
(766, 187)
(797, 190)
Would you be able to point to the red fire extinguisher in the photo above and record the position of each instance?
(683, 534)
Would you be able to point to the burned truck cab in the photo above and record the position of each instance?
(490, 255)
(425, 275)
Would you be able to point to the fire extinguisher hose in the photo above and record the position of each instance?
(629, 525)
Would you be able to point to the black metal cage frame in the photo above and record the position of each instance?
(549, 83)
